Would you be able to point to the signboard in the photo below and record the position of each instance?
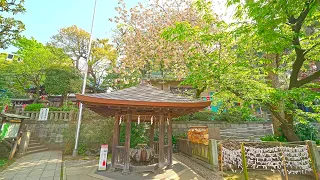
(103, 157)
(43, 116)
(11, 130)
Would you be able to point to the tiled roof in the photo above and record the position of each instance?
(144, 92)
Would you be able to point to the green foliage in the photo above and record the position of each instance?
(233, 115)
(34, 107)
(274, 138)
(198, 116)
(4, 131)
(139, 134)
(62, 80)
(31, 63)
(10, 28)
(95, 130)
(3, 162)
(306, 131)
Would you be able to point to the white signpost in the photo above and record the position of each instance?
(43, 116)
(103, 157)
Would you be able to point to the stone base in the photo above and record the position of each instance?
(126, 172)
(148, 168)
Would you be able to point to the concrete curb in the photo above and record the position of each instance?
(64, 175)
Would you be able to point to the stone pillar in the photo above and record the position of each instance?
(169, 141)
(161, 142)
(115, 141)
(213, 154)
(152, 134)
(24, 143)
(126, 169)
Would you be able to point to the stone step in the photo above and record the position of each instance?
(37, 150)
(36, 147)
(34, 144)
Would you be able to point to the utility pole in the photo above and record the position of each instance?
(75, 151)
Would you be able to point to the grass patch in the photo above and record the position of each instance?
(3, 162)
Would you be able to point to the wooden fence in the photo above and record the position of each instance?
(207, 155)
(52, 115)
(199, 151)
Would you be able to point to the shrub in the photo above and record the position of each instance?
(306, 131)
(95, 130)
(34, 107)
(272, 137)
(139, 134)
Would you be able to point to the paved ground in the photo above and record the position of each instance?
(87, 170)
(43, 165)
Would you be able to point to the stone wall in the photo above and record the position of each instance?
(47, 132)
(250, 130)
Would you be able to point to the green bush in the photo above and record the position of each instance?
(139, 134)
(274, 138)
(318, 142)
(198, 116)
(34, 107)
(306, 131)
(95, 130)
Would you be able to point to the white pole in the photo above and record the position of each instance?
(75, 151)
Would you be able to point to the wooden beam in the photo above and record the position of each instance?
(152, 134)
(161, 142)
(126, 169)
(169, 140)
(116, 131)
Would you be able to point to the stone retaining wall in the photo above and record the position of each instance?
(48, 132)
(247, 130)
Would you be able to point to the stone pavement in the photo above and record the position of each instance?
(39, 166)
(87, 170)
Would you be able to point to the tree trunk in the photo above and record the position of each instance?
(36, 99)
(63, 97)
(273, 80)
(288, 132)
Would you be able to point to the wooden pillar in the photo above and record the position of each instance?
(126, 169)
(152, 134)
(16, 143)
(115, 141)
(169, 140)
(161, 142)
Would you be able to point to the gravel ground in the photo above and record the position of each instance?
(199, 169)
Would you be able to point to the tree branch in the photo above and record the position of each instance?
(306, 80)
(308, 50)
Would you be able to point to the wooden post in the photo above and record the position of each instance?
(244, 162)
(24, 143)
(309, 145)
(169, 141)
(152, 135)
(13, 150)
(115, 141)
(221, 157)
(284, 163)
(126, 169)
(161, 142)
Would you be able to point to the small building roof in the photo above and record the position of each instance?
(141, 99)
(10, 117)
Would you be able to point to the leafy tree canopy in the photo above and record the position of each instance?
(10, 27)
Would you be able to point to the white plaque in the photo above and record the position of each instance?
(103, 157)
(43, 116)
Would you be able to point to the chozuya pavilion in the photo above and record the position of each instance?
(149, 104)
